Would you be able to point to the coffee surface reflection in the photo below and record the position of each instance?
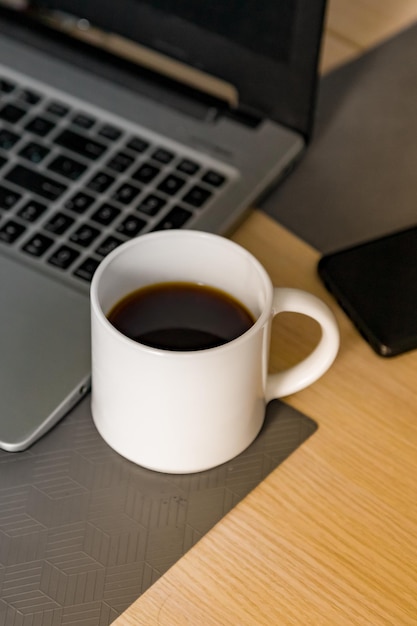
(180, 316)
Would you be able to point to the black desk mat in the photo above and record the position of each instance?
(83, 532)
(357, 179)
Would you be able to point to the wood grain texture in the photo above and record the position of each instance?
(352, 26)
(330, 537)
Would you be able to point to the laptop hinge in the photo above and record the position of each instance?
(209, 98)
(244, 116)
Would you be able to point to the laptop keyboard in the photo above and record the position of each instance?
(75, 184)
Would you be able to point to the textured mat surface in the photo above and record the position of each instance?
(83, 532)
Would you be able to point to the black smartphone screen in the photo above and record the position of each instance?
(376, 284)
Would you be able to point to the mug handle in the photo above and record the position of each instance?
(315, 364)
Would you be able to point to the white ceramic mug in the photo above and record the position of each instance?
(183, 412)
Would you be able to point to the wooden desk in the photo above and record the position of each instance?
(330, 537)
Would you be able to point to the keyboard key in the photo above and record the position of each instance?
(146, 173)
(87, 269)
(10, 231)
(151, 204)
(176, 218)
(40, 126)
(38, 245)
(100, 182)
(171, 184)
(108, 244)
(110, 132)
(65, 166)
(188, 167)
(8, 198)
(137, 144)
(29, 97)
(213, 178)
(38, 183)
(6, 85)
(163, 156)
(34, 152)
(32, 211)
(125, 193)
(8, 139)
(59, 223)
(83, 120)
(84, 146)
(11, 113)
(84, 235)
(79, 203)
(105, 214)
(57, 108)
(131, 226)
(120, 162)
(197, 196)
(63, 257)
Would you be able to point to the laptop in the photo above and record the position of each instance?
(117, 119)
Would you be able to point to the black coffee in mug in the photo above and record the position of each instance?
(180, 316)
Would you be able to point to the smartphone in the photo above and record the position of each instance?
(375, 282)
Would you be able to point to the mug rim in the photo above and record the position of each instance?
(180, 233)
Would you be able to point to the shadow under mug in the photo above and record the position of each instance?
(182, 412)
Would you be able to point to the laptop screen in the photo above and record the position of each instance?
(267, 50)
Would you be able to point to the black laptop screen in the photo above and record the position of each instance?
(267, 50)
(230, 21)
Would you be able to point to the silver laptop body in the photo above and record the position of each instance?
(145, 155)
